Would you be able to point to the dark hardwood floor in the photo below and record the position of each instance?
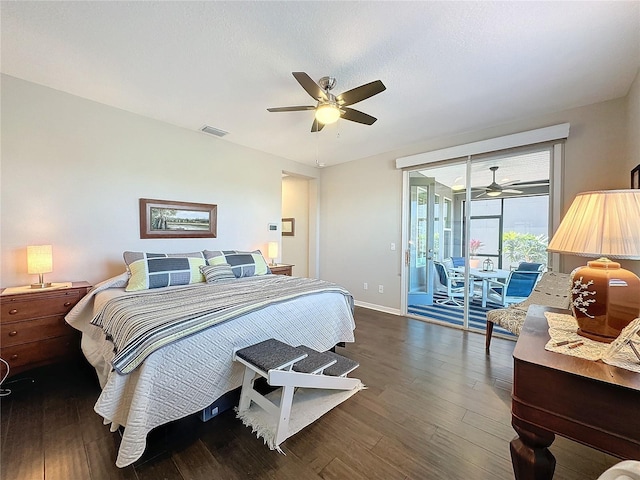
(436, 407)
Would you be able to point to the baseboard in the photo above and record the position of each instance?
(379, 308)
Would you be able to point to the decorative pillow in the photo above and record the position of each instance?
(243, 264)
(155, 270)
(216, 273)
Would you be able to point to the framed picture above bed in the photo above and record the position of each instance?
(167, 219)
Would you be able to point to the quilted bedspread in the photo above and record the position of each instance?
(138, 325)
(188, 375)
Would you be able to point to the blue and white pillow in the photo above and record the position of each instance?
(156, 270)
(243, 264)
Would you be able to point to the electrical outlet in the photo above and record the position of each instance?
(393, 246)
(380, 289)
(366, 286)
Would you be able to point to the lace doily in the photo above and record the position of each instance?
(563, 328)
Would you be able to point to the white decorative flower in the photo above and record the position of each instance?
(581, 292)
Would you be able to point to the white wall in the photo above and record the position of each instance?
(361, 200)
(295, 204)
(633, 123)
(73, 171)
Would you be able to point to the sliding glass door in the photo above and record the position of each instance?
(490, 212)
(419, 251)
(433, 253)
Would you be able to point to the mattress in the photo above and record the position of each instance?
(186, 376)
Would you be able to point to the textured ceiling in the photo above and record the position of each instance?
(449, 67)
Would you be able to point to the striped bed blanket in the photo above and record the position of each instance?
(142, 322)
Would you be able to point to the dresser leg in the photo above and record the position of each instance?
(530, 456)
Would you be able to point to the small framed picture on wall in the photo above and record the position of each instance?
(635, 177)
(288, 227)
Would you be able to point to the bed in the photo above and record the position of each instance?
(185, 376)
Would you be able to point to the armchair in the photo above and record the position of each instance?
(553, 290)
(516, 288)
(451, 284)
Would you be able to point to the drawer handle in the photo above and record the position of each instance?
(66, 304)
(14, 356)
(13, 311)
(13, 333)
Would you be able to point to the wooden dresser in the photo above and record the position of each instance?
(32, 327)
(281, 269)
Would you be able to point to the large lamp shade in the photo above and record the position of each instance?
(604, 224)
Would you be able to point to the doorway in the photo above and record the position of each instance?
(299, 202)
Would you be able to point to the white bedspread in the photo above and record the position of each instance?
(188, 375)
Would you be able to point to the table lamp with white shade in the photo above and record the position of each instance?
(273, 252)
(605, 225)
(39, 262)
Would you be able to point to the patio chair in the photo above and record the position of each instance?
(452, 285)
(553, 290)
(458, 261)
(516, 288)
(529, 267)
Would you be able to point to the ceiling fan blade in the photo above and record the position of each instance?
(316, 126)
(510, 190)
(360, 93)
(291, 109)
(536, 183)
(509, 183)
(358, 116)
(311, 87)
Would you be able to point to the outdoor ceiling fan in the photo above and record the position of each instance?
(330, 107)
(496, 189)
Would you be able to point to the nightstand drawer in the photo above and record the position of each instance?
(33, 354)
(281, 269)
(35, 305)
(31, 330)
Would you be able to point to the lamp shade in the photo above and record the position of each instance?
(39, 259)
(273, 251)
(605, 223)
(605, 297)
(327, 113)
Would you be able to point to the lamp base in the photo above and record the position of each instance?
(41, 285)
(606, 298)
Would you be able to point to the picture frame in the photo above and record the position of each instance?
(169, 219)
(635, 177)
(288, 227)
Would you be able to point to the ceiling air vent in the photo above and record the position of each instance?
(213, 131)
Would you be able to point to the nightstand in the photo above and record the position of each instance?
(281, 269)
(32, 327)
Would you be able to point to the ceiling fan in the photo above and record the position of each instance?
(496, 189)
(330, 107)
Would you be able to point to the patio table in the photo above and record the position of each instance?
(485, 276)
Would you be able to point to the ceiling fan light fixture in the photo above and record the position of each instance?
(457, 184)
(494, 194)
(327, 113)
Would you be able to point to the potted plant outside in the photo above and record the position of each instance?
(474, 246)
